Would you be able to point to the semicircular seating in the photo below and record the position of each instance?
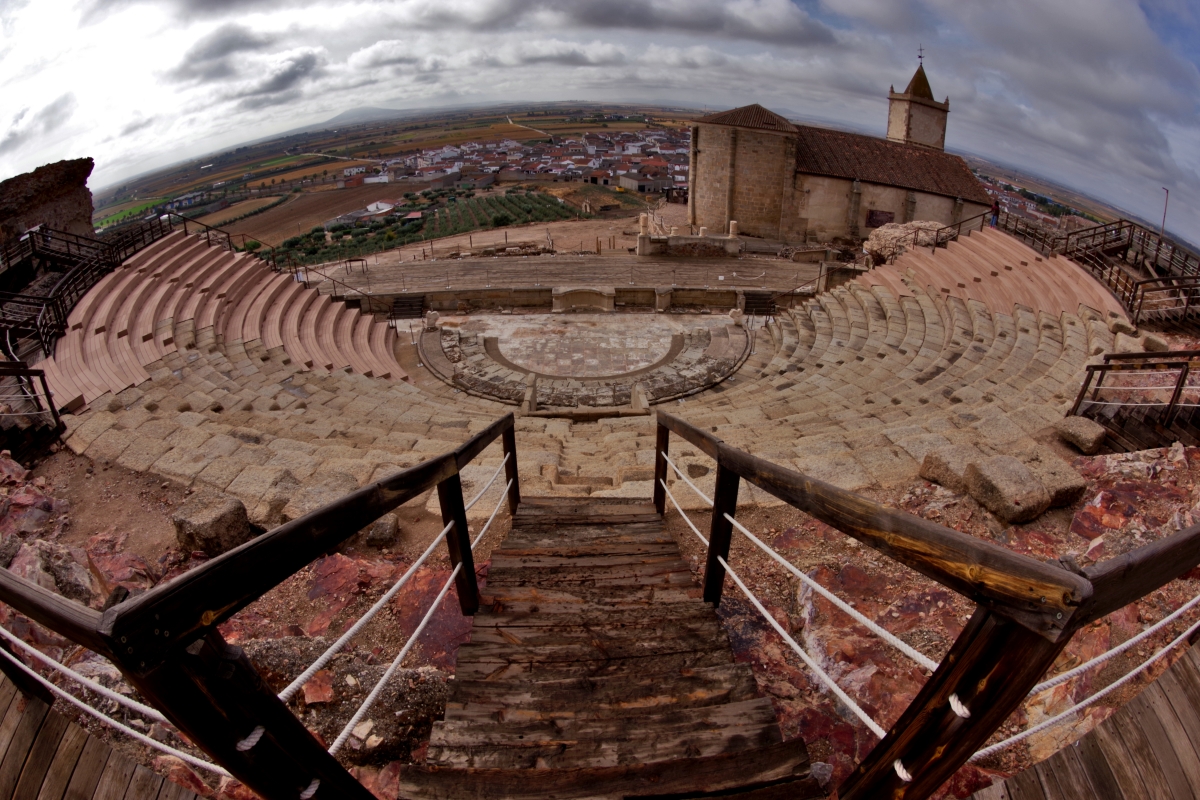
(182, 293)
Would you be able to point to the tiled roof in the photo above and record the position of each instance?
(850, 155)
(751, 116)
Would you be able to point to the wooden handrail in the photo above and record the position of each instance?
(1026, 611)
(1040, 597)
(194, 603)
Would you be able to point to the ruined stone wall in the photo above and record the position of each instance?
(757, 164)
(823, 206)
(764, 165)
(54, 195)
(710, 181)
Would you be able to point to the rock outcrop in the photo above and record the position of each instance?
(54, 195)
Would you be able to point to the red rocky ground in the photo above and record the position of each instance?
(1132, 499)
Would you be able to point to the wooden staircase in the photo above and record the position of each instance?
(595, 670)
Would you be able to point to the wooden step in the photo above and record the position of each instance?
(595, 669)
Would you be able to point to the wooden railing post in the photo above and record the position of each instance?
(458, 540)
(991, 667)
(720, 532)
(211, 692)
(661, 440)
(509, 442)
(1173, 407)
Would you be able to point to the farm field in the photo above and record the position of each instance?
(106, 216)
(236, 210)
(311, 209)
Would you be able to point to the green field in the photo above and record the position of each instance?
(275, 162)
(124, 211)
(447, 213)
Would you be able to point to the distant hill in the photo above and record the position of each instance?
(364, 114)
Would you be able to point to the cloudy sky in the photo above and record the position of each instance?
(1100, 95)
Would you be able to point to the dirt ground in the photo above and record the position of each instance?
(311, 209)
(236, 210)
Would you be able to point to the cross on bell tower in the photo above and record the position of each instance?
(914, 117)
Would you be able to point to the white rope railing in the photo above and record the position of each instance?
(682, 514)
(412, 640)
(869, 624)
(1116, 651)
(188, 758)
(90, 684)
(1112, 687)
(495, 475)
(684, 478)
(304, 677)
(391, 670)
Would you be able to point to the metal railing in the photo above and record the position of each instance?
(1150, 391)
(166, 643)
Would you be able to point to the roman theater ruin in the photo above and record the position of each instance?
(742, 512)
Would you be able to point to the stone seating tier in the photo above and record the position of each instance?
(180, 292)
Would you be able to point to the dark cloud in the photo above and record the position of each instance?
(45, 121)
(137, 125)
(214, 57)
(282, 81)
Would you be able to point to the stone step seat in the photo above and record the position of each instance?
(157, 307)
(232, 319)
(175, 324)
(1032, 382)
(226, 297)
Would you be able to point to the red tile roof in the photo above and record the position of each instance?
(751, 116)
(851, 155)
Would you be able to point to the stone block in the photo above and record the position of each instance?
(383, 532)
(1060, 479)
(887, 465)
(839, 469)
(182, 464)
(265, 491)
(1007, 488)
(1155, 344)
(213, 523)
(947, 466)
(311, 496)
(1127, 344)
(1082, 432)
(142, 453)
(1120, 325)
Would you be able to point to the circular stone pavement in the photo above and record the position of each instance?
(584, 359)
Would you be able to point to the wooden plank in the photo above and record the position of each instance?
(1144, 757)
(88, 770)
(1073, 777)
(1048, 777)
(12, 718)
(63, 762)
(1094, 761)
(114, 780)
(173, 791)
(145, 785)
(41, 757)
(1025, 785)
(19, 744)
(1165, 731)
(1119, 760)
(1186, 709)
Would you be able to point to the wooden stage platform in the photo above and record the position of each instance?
(44, 756)
(1150, 748)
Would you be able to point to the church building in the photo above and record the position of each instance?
(801, 183)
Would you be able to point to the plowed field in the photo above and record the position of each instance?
(309, 210)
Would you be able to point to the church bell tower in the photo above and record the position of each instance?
(914, 117)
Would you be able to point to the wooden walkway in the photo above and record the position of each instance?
(595, 670)
(44, 756)
(1150, 748)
